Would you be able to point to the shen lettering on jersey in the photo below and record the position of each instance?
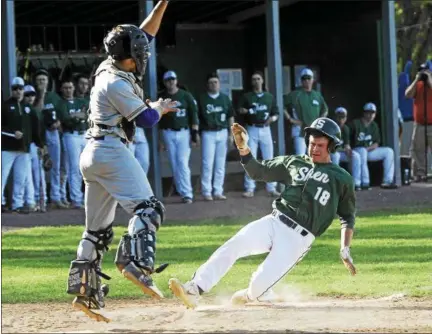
(210, 108)
(362, 137)
(304, 173)
(257, 107)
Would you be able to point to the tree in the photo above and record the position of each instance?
(413, 32)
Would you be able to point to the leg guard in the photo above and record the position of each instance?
(85, 273)
(136, 252)
(139, 244)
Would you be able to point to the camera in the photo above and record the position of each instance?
(421, 70)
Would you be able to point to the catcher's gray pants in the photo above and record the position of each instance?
(112, 175)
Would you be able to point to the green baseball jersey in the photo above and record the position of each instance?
(19, 117)
(345, 138)
(49, 111)
(305, 106)
(314, 194)
(86, 99)
(185, 117)
(260, 107)
(66, 109)
(365, 136)
(214, 113)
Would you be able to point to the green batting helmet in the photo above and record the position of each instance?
(324, 126)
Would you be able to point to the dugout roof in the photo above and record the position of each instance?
(97, 12)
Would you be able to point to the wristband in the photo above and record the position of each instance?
(246, 158)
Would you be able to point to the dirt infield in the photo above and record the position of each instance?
(300, 315)
(416, 195)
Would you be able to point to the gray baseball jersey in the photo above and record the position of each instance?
(111, 173)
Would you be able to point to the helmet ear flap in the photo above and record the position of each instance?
(331, 146)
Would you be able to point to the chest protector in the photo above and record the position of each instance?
(108, 66)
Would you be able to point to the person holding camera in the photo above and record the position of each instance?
(421, 90)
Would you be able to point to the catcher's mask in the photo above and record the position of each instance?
(128, 41)
(324, 126)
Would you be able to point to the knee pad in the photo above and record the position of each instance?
(139, 244)
(151, 211)
(100, 240)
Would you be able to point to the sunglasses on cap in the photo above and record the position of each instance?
(17, 87)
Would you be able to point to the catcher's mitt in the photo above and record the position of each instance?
(46, 162)
(347, 260)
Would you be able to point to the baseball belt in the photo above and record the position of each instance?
(290, 223)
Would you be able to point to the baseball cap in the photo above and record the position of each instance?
(29, 90)
(341, 111)
(170, 75)
(41, 71)
(370, 107)
(306, 72)
(18, 81)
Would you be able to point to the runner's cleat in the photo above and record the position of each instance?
(188, 293)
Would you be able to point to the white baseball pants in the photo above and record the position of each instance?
(380, 153)
(286, 247)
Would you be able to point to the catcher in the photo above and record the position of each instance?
(113, 176)
(316, 190)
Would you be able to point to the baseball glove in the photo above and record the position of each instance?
(46, 162)
(347, 260)
(240, 135)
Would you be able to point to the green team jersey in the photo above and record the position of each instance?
(345, 138)
(186, 117)
(214, 113)
(315, 192)
(86, 98)
(305, 106)
(365, 136)
(49, 111)
(65, 111)
(260, 107)
(20, 117)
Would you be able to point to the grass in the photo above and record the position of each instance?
(392, 253)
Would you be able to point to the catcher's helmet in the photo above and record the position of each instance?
(325, 127)
(128, 41)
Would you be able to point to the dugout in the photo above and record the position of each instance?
(350, 45)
